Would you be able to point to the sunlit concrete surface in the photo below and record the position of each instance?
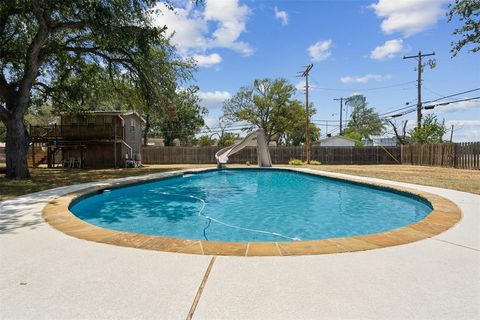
(45, 274)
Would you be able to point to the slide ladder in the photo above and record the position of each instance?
(262, 149)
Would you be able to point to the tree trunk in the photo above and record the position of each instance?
(16, 149)
(146, 130)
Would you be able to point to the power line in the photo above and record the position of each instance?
(392, 111)
(365, 89)
(445, 97)
(453, 95)
(431, 91)
(448, 102)
(429, 107)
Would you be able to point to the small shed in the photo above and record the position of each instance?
(96, 139)
(336, 141)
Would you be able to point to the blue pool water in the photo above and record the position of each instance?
(250, 205)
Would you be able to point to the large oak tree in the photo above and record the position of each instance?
(44, 42)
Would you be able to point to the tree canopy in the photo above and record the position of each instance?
(205, 141)
(355, 136)
(468, 12)
(65, 50)
(363, 119)
(431, 131)
(294, 132)
(269, 104)
(227, 139)
(182, 119)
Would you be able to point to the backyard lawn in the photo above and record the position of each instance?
(43, 178)
(449, 178)
(457, 179)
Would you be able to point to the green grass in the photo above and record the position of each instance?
(42, 179)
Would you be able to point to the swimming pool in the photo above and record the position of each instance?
(251, 205)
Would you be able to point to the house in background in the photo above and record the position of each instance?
(97, 139)
(380, 141)
(335, 141)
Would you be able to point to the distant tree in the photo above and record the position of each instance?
(401, 136)
(227, 139)
(295, 133)
(355, 136)
(263, 105)
(205, 141)
(182, 119)
(163, 66)
(41, 115)
(363, 119)
(431, 131)
(220, 130)
(468, 12)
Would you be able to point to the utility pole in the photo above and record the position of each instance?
(420, 66)
(451, 134)
(341, 109)
(305, 74)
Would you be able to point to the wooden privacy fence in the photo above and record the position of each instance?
(465, 155)
(279, 155)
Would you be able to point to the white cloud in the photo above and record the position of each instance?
(282, 16)
(321, 50)
(365, 79)
(196, 29)
(189, 30)
(300, 85)
(468, 123)
(207, 61)
(388, 50)
(231, 18)
(459, 106)
(213, 99)
(211, 122)
(408, 16)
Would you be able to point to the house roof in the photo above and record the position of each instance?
(116, 113)
(334, 137)
(121, 113)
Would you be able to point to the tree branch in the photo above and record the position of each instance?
(70, 25)
(32, 61)
(48, 92)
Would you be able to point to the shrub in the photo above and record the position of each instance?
(315, 162)
(295, 162)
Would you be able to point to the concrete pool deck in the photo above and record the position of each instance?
(47, 274)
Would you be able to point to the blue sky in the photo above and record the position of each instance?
(355, 46)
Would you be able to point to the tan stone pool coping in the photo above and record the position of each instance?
(444, 215)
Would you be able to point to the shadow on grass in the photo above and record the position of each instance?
(43, 179)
